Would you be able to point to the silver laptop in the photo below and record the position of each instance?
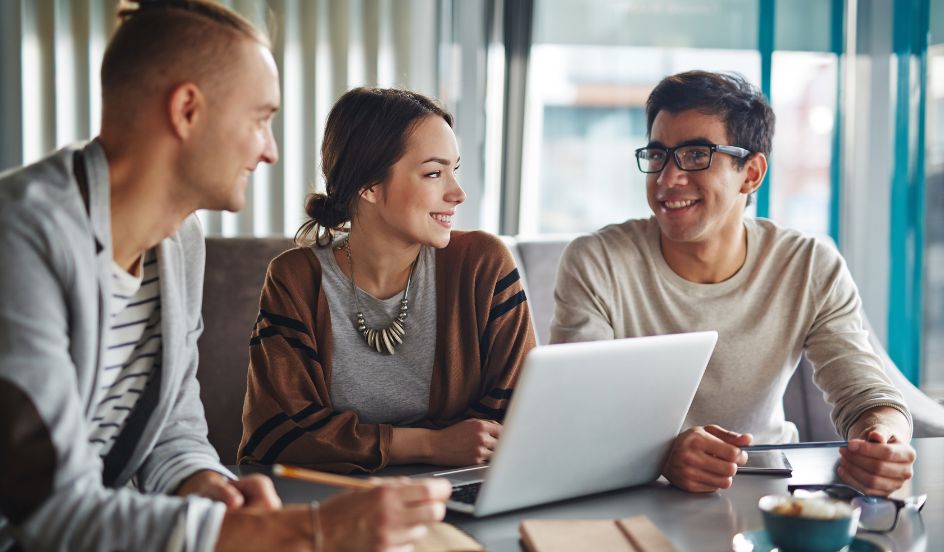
(586, 418)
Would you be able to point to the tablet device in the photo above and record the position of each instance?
(770, 462)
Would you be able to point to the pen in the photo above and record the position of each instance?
(783, 446)
(323, 478)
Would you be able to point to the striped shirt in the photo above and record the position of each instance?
(132, 349)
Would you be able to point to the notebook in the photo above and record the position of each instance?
(635, 534)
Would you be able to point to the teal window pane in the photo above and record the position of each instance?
(803, 25)
(589, 147)
(717, 24)
(937, 22)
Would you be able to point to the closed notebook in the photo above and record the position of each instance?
(443, 537)
(635, 534)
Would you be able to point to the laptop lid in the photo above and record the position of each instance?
(592, 417)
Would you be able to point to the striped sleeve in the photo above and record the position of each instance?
(287, 415)
(198, 526)
(508, 334)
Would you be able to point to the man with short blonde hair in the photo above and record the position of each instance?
(101, 273)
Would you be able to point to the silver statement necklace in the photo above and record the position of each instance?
(389, 338)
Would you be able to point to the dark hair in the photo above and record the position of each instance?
(167, 40)
(366, 134)
(747, 115)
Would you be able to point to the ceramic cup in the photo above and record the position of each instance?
(812, 524)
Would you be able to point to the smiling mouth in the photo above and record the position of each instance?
(678, 204)
(441, 218)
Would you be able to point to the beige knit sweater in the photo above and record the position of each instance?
(793, 294)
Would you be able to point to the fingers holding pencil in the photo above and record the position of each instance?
(380, 514)
(324, 478)
(384, 518)
(417, 490)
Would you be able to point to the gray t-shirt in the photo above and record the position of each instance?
(381, 388)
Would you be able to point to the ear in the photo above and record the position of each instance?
(372, 193)
(754, 172)
(185, 109)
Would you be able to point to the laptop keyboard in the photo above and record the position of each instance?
(466, 494)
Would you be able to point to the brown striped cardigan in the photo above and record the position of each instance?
(484, 331)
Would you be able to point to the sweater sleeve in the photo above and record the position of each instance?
(845, 366)
(52, 495)
(183, 449)
(287, 415)
(508, 334)
(581, 306)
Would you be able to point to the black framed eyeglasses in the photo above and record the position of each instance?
(879, 513)
(691, 157)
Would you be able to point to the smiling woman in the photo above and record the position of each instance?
(386, 337)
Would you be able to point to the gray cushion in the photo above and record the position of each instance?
(805, 406)
(538, 262)
(235, 270)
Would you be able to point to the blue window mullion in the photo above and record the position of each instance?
(766, 27)
(906, 232)
(916, 188)
(837, 41)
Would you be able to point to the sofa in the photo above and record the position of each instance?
(235, 270)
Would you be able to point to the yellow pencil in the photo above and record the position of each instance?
(323, 478)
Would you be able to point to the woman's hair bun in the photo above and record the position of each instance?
(322, 209)
(324, 217)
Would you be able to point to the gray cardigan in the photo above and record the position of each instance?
(55, 269)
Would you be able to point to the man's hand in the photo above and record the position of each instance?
(465, 443)
(254, 491)
(387, 518)
(878, 460)
(705, 459)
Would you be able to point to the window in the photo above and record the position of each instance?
(933, 354)
(804, 101)
(586, 115)
(592, 66)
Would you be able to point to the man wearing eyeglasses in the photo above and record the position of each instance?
(771, 293)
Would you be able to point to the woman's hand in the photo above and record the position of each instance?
(465, 443)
